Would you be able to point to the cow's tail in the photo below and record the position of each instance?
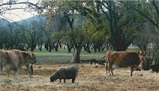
(100, 61)
(102, 57)
(106, 62)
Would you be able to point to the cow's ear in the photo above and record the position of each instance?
(143, 53)
(25, 53)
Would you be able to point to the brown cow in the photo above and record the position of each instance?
(14, 60)
(116, 59)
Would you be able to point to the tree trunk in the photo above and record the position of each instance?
(50, 47)
(95, 47)
(69, 47)
(87, 48)
(56, 47)
(76, 55)
(119, 44)
(119, 48)
(40, 47)
(33, 47)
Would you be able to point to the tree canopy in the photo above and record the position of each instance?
(85, 24)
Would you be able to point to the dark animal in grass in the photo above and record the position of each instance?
(101, 62)
(155, 68)
(137, 69)
(65, 73)
(93, 61)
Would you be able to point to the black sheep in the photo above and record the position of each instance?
(155, 67)
(65, 73)
(93, 61)
(101, 62)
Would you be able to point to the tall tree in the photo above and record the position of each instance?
(149, 10)
(33, 33)
(120, 21)
(70, 14)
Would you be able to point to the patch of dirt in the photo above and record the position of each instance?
(90, 78)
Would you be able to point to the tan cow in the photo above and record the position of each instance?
(14, 60)
(116, 59)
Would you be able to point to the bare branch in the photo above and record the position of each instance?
(8, 9)
(153, 22)
(157, 10)
(26, 3)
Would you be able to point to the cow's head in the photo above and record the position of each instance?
(142, 54)
(30, 57)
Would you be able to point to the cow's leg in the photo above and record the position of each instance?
(8, 73)
(73, 80)
(111, 71)
(60, 80)
(107, 67)
(64, 80)
(30, 70)
(16, 74)
(131, 69)
(0, 73)
(108, 72)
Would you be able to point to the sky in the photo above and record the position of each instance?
(18, 14)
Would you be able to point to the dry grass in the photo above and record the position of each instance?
(90, 78)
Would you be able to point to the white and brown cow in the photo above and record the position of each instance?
(116, 59)
(14, 60)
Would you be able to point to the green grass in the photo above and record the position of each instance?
(62, 56)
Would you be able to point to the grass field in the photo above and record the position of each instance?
(62, 56)
(90, 77)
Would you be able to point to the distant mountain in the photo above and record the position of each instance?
(4, 23)
(37, 18)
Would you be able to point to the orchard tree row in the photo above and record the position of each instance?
(84, 24)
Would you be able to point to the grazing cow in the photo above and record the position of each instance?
(122, 59)
(14, 60)
(155, 68)
(65, 73)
